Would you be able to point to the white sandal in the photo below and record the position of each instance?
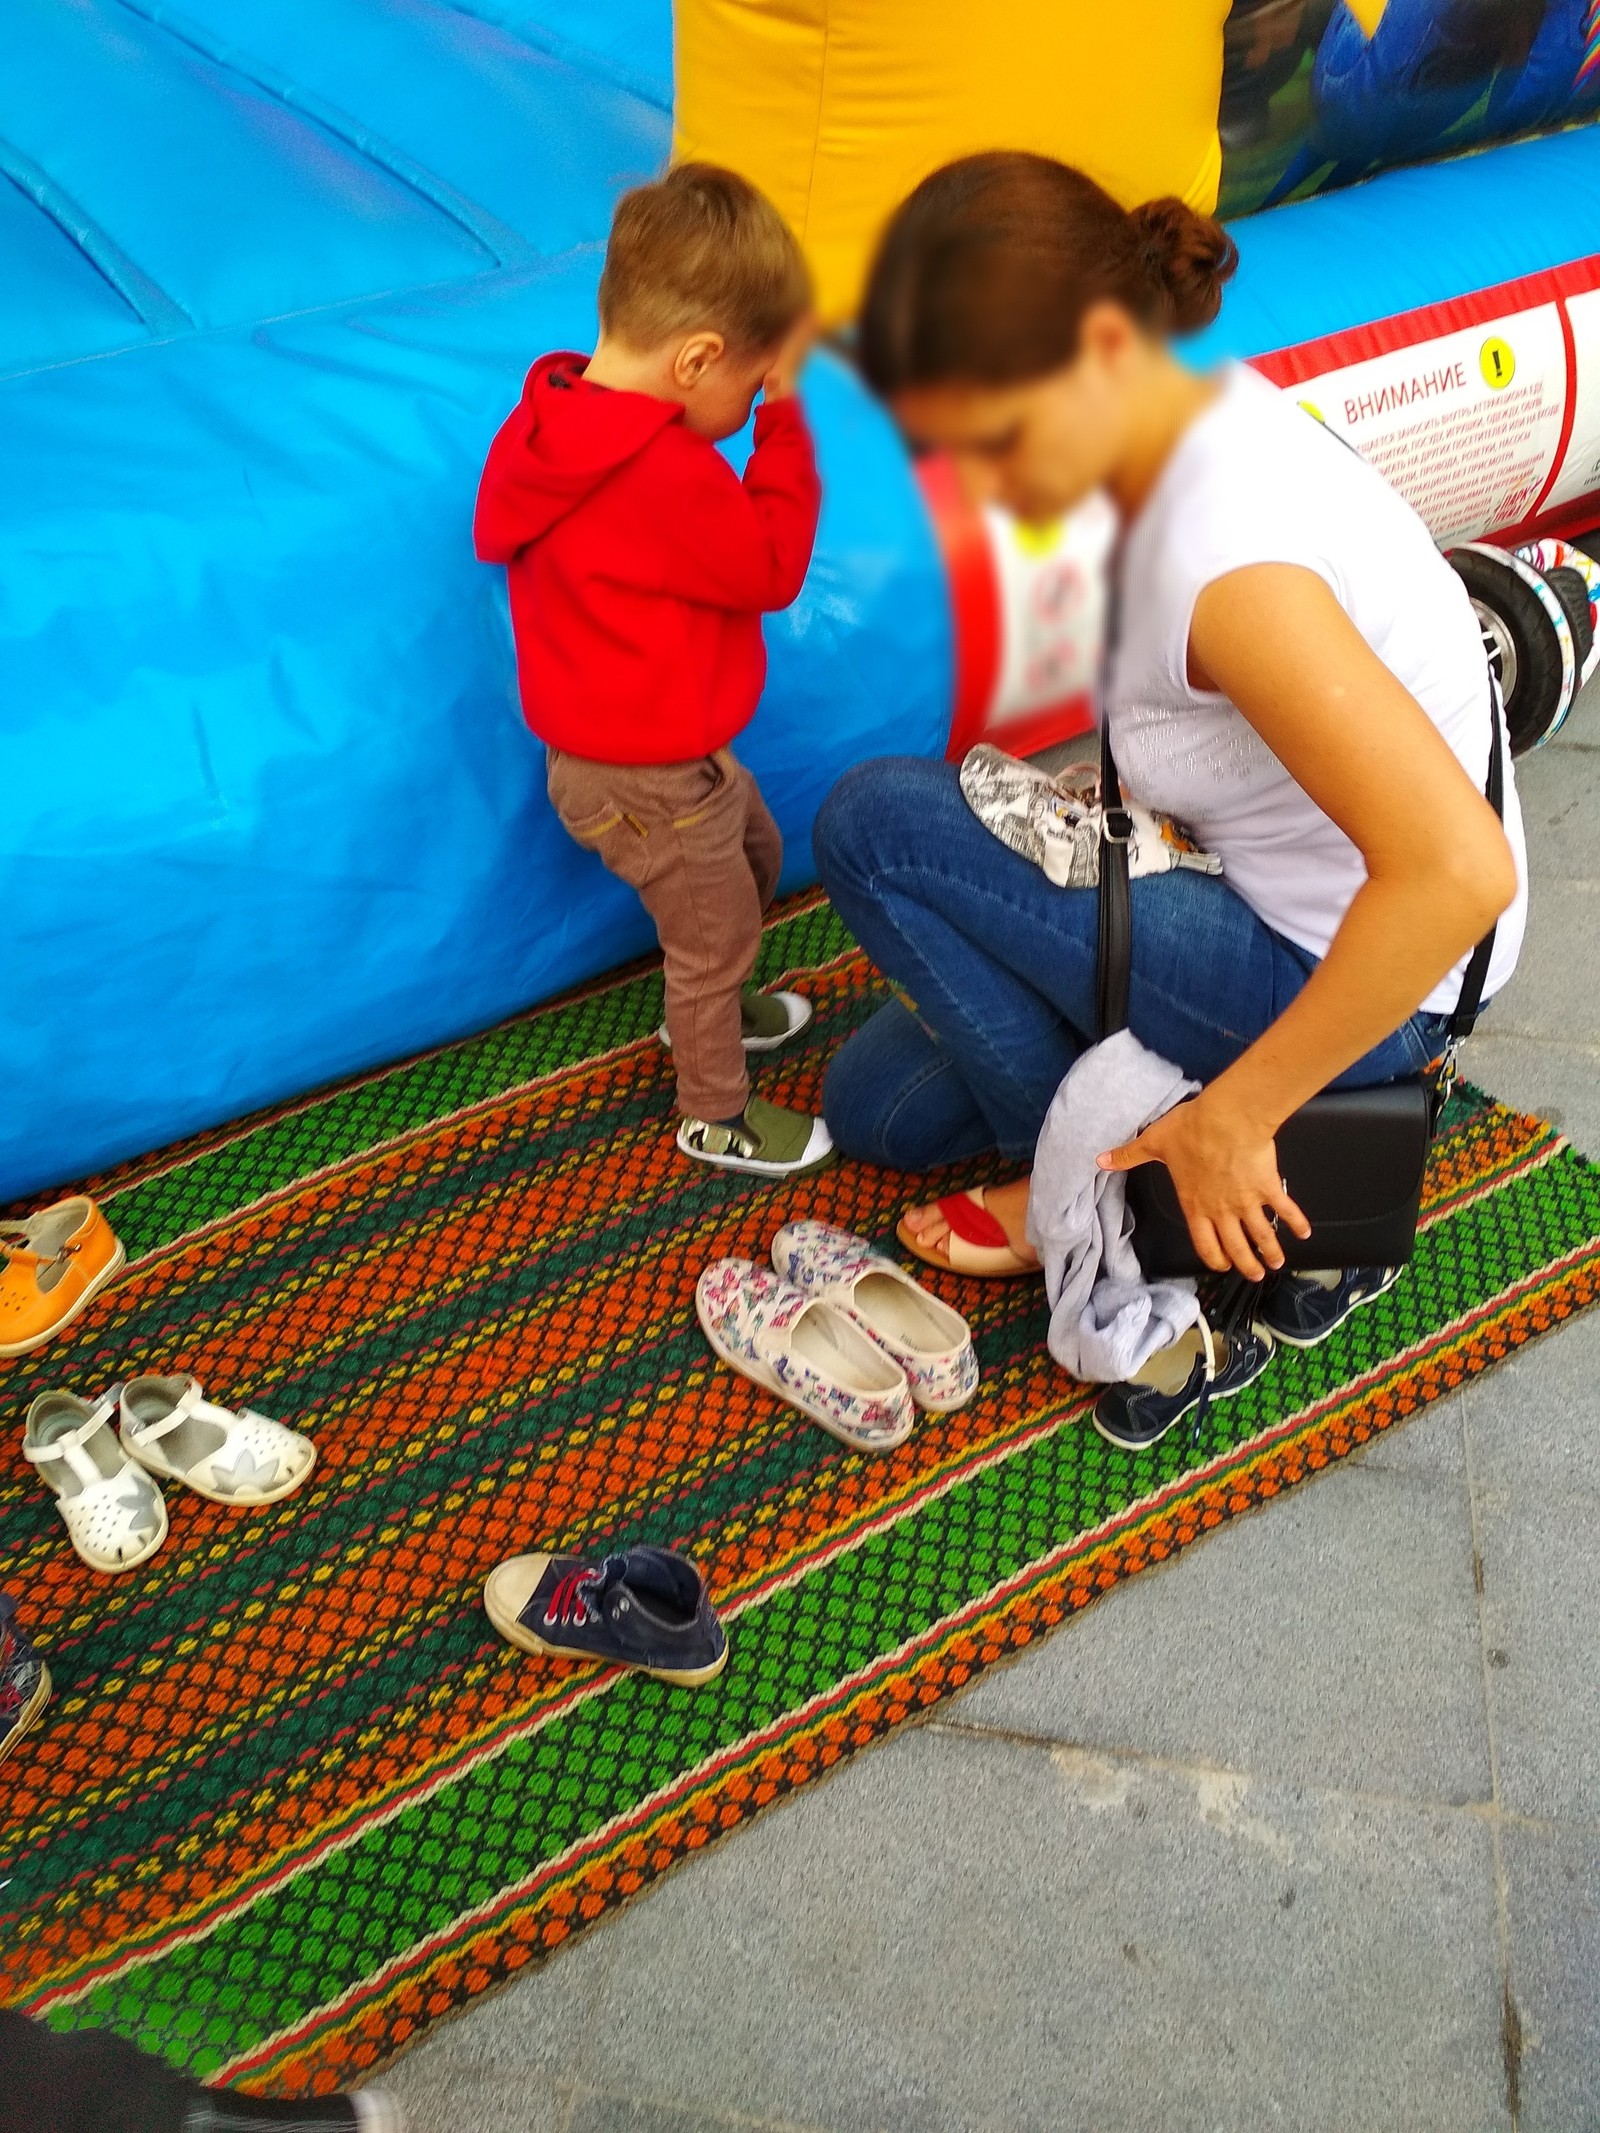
(114, 1514)
(245, 1458)
(807, 1352)
(931, 1342)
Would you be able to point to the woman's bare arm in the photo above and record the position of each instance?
(1439, 872)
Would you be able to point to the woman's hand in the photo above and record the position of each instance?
(1225, 1172)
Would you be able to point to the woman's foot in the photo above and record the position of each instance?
(983, 1232)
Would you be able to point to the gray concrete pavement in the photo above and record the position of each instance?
(1301, 1830)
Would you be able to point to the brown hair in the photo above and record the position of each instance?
(701, 247)
(984, 274)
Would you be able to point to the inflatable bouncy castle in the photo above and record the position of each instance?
(274, 274)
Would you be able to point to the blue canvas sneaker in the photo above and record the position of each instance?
(647, 1609)
(24, 1679)
(1174, 1383)
(1302, 1309)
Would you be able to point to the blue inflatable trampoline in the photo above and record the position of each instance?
(274, 271)
(274, 274)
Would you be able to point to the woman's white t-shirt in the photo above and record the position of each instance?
(1256, 479)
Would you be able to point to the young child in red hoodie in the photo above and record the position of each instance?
(640, 568)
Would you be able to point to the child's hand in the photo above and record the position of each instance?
(779, 381)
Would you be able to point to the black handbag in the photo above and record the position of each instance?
(1352, 1159)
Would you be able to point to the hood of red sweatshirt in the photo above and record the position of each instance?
(563, 440)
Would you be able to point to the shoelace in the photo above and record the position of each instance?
(1237, 1301)
(572, 1599)
(10, 1694)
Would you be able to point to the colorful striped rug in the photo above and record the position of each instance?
(294, 1800)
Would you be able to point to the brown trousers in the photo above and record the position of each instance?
(696, 841)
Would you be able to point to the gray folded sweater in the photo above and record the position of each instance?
(1105, 1318)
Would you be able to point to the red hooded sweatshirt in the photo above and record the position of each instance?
(640, 564)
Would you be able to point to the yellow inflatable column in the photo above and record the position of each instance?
(837, 107)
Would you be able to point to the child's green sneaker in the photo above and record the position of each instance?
(766, 1019)
(767, 1142)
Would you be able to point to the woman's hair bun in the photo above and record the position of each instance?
(1190, 257)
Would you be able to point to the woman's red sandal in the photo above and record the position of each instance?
(977, 1244)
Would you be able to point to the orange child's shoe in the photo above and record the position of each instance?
(50, 1267)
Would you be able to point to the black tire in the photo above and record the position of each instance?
(1568, 586)
(1533, 702)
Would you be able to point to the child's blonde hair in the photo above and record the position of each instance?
(702, 247)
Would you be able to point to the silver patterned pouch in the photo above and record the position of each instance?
(1054, 822)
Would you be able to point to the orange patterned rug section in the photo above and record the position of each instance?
(294, 1799)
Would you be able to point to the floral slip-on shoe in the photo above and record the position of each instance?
(931, 1342)
(807, 1351)
(647, 1608)
(51, 1265)
(178, 1435)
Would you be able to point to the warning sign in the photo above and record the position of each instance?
(1483, 410)
(1466, 425)
(1498, 364)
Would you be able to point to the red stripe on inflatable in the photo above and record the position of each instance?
(1385, 336)
(974, 597)
(1569, 414)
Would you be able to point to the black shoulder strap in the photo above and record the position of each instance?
(1470, 998)
(1115, 945)
(1116, 906)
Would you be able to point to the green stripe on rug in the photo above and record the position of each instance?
(540, 1796)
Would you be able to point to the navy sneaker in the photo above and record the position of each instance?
(1139, 1412)
(1302, 1309)
(647, 1609)
(24, 1679)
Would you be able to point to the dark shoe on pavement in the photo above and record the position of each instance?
(647, 1609)
(1302, 1309)
(24, 1679)
(228, 2111)
(1140, 1411)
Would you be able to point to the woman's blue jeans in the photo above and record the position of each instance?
(1001, 966)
